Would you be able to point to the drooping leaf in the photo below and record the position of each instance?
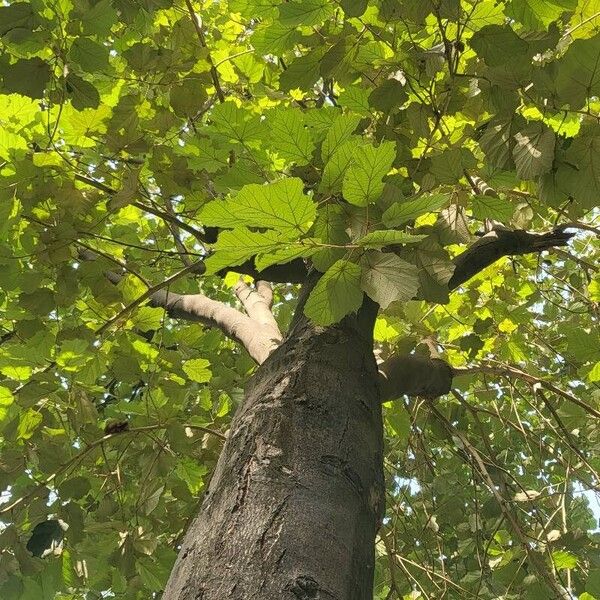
(534, 150)
(387, 278)
(388, 237)
(336, 294)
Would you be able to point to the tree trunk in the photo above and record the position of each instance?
(297, 495)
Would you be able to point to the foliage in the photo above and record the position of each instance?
(330, 131)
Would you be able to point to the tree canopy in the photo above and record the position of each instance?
(156, 146)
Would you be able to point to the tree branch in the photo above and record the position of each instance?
(257, 307)
(515, 373)
(414, 375)
(72, 462)
(213, 69)
(502, 242)
(256, 339)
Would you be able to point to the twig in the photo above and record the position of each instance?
(213, 69)
(509, 371)
(197, 267)
(79, 457)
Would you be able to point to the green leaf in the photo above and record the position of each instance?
(583, 152)
(290, 137)
(578, 76)
(592, 585)
(336, 166)
(398, 419)
(340, 131)
(188, 96)
(539, 13)
(401, 212)
(356, 99)
(304, 12)
(281, 205)
(147, 572)
(594, 374)
(232, 123)
(330, 228)
(6, 400)
(582, 345)
(498, 45)
(273, 39)
(11, 144)
(75, 487)
(387, 278)
(303, 72)
(497, 142)
(189, 471)
(450, 165)
(148, 319)
(197, 369)
(389, 95)
(28, 77)
(490, 207)
(534, 150)
(285, 254)
(363, 179)
(89, 55)
(237, 246)
(83, 94)
(29, 421)
(354, 8)
(563, 560)
(131, 287)
(17, 15)
(99, 18)
(336, 294)
(388, 237)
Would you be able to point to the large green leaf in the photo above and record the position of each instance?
(534, 150)
(492, 207)
(290, 136)
(336, 294)
(304, 12)
(387, 278)
(281, 206)
(238, 245)
(363, 179)
(340, 130)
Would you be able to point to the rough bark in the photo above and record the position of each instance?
(297, 496)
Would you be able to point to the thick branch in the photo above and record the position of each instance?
(258, 341)
(414, 375)
(498, 243)
(257, 307)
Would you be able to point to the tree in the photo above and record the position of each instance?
(300, 299)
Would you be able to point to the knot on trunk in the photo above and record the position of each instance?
(305, 587)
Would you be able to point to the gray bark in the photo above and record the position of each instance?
(297, 495)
